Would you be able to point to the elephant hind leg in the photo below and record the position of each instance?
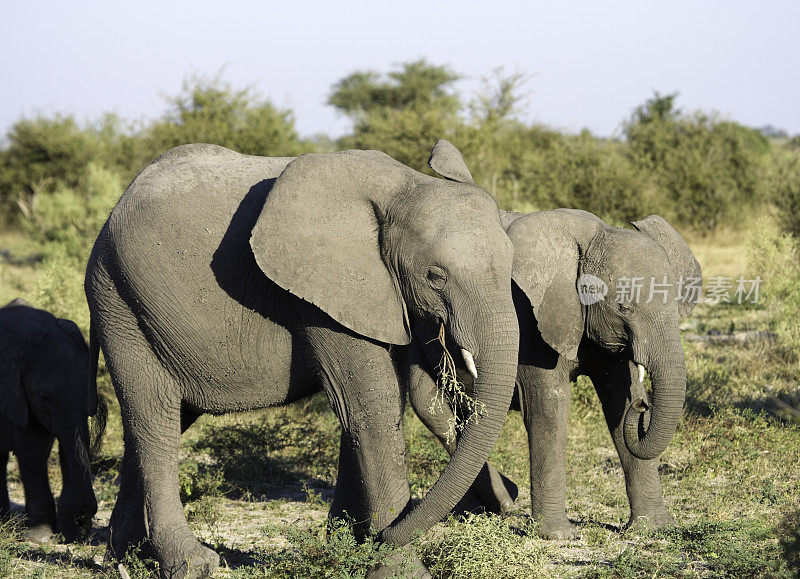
(149, 501)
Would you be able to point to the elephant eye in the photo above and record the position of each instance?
(625, 307)
(437, 277)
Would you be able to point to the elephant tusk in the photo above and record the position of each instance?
(470, 362)
(641, 373)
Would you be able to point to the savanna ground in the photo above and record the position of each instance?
(257, 486)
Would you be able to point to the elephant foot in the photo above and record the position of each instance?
(198, 562)
(127, 532)
(469, 503)
(506, 499)
(650, 521)
(41, 533)
(556, 530)
(497, 492)
(401, 564)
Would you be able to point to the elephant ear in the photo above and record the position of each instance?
(681, 259)
(546, 256)
(71, 329)
(319, 237)
(447, 161)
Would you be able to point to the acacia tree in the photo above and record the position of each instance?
(402, 113)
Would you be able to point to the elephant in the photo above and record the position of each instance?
(572, 324)
(224, 282)
(47, 393)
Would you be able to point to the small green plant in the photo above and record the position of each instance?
(10, 546)
(325, 549)
(198, 480)
(135, 566)
(207, 511)
(475, 545)
(465, 408)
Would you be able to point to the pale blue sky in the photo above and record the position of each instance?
(591, 62)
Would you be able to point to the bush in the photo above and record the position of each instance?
(775, 257)
(212, 111)
(41, 154)
(785, 190)
(472, 546)
(68, 219)
(705, 169)
(326, 549)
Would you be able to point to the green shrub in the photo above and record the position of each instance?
(67, 220)
(785, 190)
(473, 547)
(775, 257)
(707, 170)
(10, 546)
(197, 480)
(209, 110)
(326, 549)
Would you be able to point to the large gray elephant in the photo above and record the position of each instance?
(223, 282)
(47, 393)
(575, 280)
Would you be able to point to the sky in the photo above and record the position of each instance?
(589, 63)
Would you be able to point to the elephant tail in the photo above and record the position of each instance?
(100, 415)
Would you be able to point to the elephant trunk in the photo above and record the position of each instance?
(76, 504)
(496, 367)
(667, 368)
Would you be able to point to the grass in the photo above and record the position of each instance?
(257, 486)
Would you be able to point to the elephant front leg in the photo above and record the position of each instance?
(362, 388)
(545, 408)
(642, 483)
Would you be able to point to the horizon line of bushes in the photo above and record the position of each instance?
(699, 171)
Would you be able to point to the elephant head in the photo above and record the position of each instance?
(46, 384)
(389, 252)
(620, 289)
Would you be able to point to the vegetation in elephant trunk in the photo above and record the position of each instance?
(76, 504)
(664, 359)
(496, 366)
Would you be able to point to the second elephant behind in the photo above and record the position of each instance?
(599, 301)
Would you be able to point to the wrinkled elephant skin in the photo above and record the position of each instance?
(224, 282)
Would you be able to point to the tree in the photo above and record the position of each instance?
(211, 111)
(402, 114)
(704, 169)
(41, 153)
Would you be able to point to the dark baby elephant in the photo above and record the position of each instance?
(580, 313)
(225, 282)
(46, 393)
